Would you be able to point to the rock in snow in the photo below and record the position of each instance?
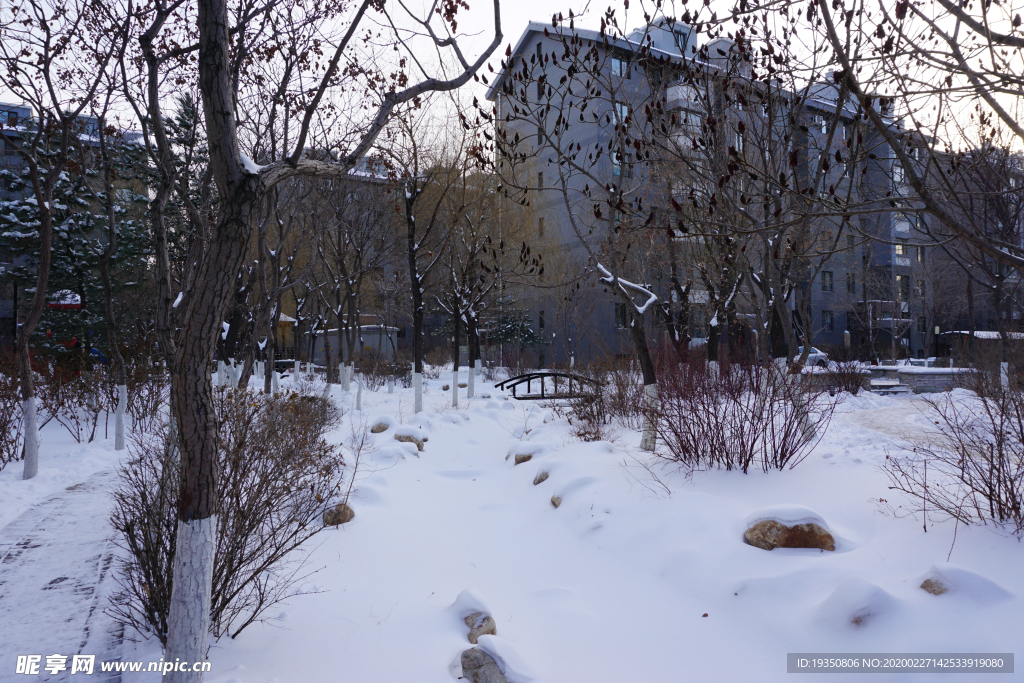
(339, 514)
(540, 478)
(556, 501)
(788, 526)
(770, 534)
(408, 438)
(480, 624)
(480, 667)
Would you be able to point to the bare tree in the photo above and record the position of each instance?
(229, 40)
(54, 56)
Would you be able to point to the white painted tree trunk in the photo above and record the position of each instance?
(344, 378)
(650, 432)
(455, 387)
(1004, 375)
(479, 366)
(221, 374)
(298, 369)
(122, 404)
(188, 620)
(470, 384)
(28, 414)
(275, 383)
(391, 385)
(359, 391)
(417, 392)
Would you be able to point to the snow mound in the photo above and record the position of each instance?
(468, 602)
(507, 659)
(855, 603)
(392, 453)
(385, 420)
(788, 515)
(531, 448)
(959, 581)
(410, 430)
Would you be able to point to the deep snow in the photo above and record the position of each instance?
(613, 584)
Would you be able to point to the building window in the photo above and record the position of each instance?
(851, 283)
(620, 67)
(901, 247)
(922, 325)
(540, 227)
(920, 254)
(541, 320)
(826, 281)
(621, 113)
(739, 143)
(828, 321)
(899, 176)
(12, 118)
(622, 165)
(919, 290)
(849, 242)
(621, 318)
(540, 178)
(902, 288)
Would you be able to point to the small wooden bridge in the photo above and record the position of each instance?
(572, 386)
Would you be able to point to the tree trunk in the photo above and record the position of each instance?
(455, 357)
(112, 331)
(637, 332)
(35, 313)
(191, 389)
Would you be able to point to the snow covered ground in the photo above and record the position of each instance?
(639, 575)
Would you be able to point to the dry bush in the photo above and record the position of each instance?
(624, 392)
(377, 371)
(148, 392)
(277, 476)
(847, 376)
(738, 416)
(73, 394)
(977, 474)
(10, 410)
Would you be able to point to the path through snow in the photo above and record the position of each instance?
(55, 575)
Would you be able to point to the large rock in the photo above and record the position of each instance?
(480, 624)
(339, 514)
(523, 457)
(934, 586)
(769, 534)
(480, 667)
(540, 478)
(378, 428)
(556, 501)
(409, 438)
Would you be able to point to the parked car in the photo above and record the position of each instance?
(814, 357)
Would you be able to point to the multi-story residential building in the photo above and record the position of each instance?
(854, 275)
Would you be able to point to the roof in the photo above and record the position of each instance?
(623, 43)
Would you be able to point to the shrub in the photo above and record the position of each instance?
(148, 391)
(976, 473)
(10, 410)
(735, 416)
(847, 376)
(277, 475)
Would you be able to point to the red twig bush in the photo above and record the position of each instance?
(737, 416)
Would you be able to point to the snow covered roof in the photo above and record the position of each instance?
(987, 334)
